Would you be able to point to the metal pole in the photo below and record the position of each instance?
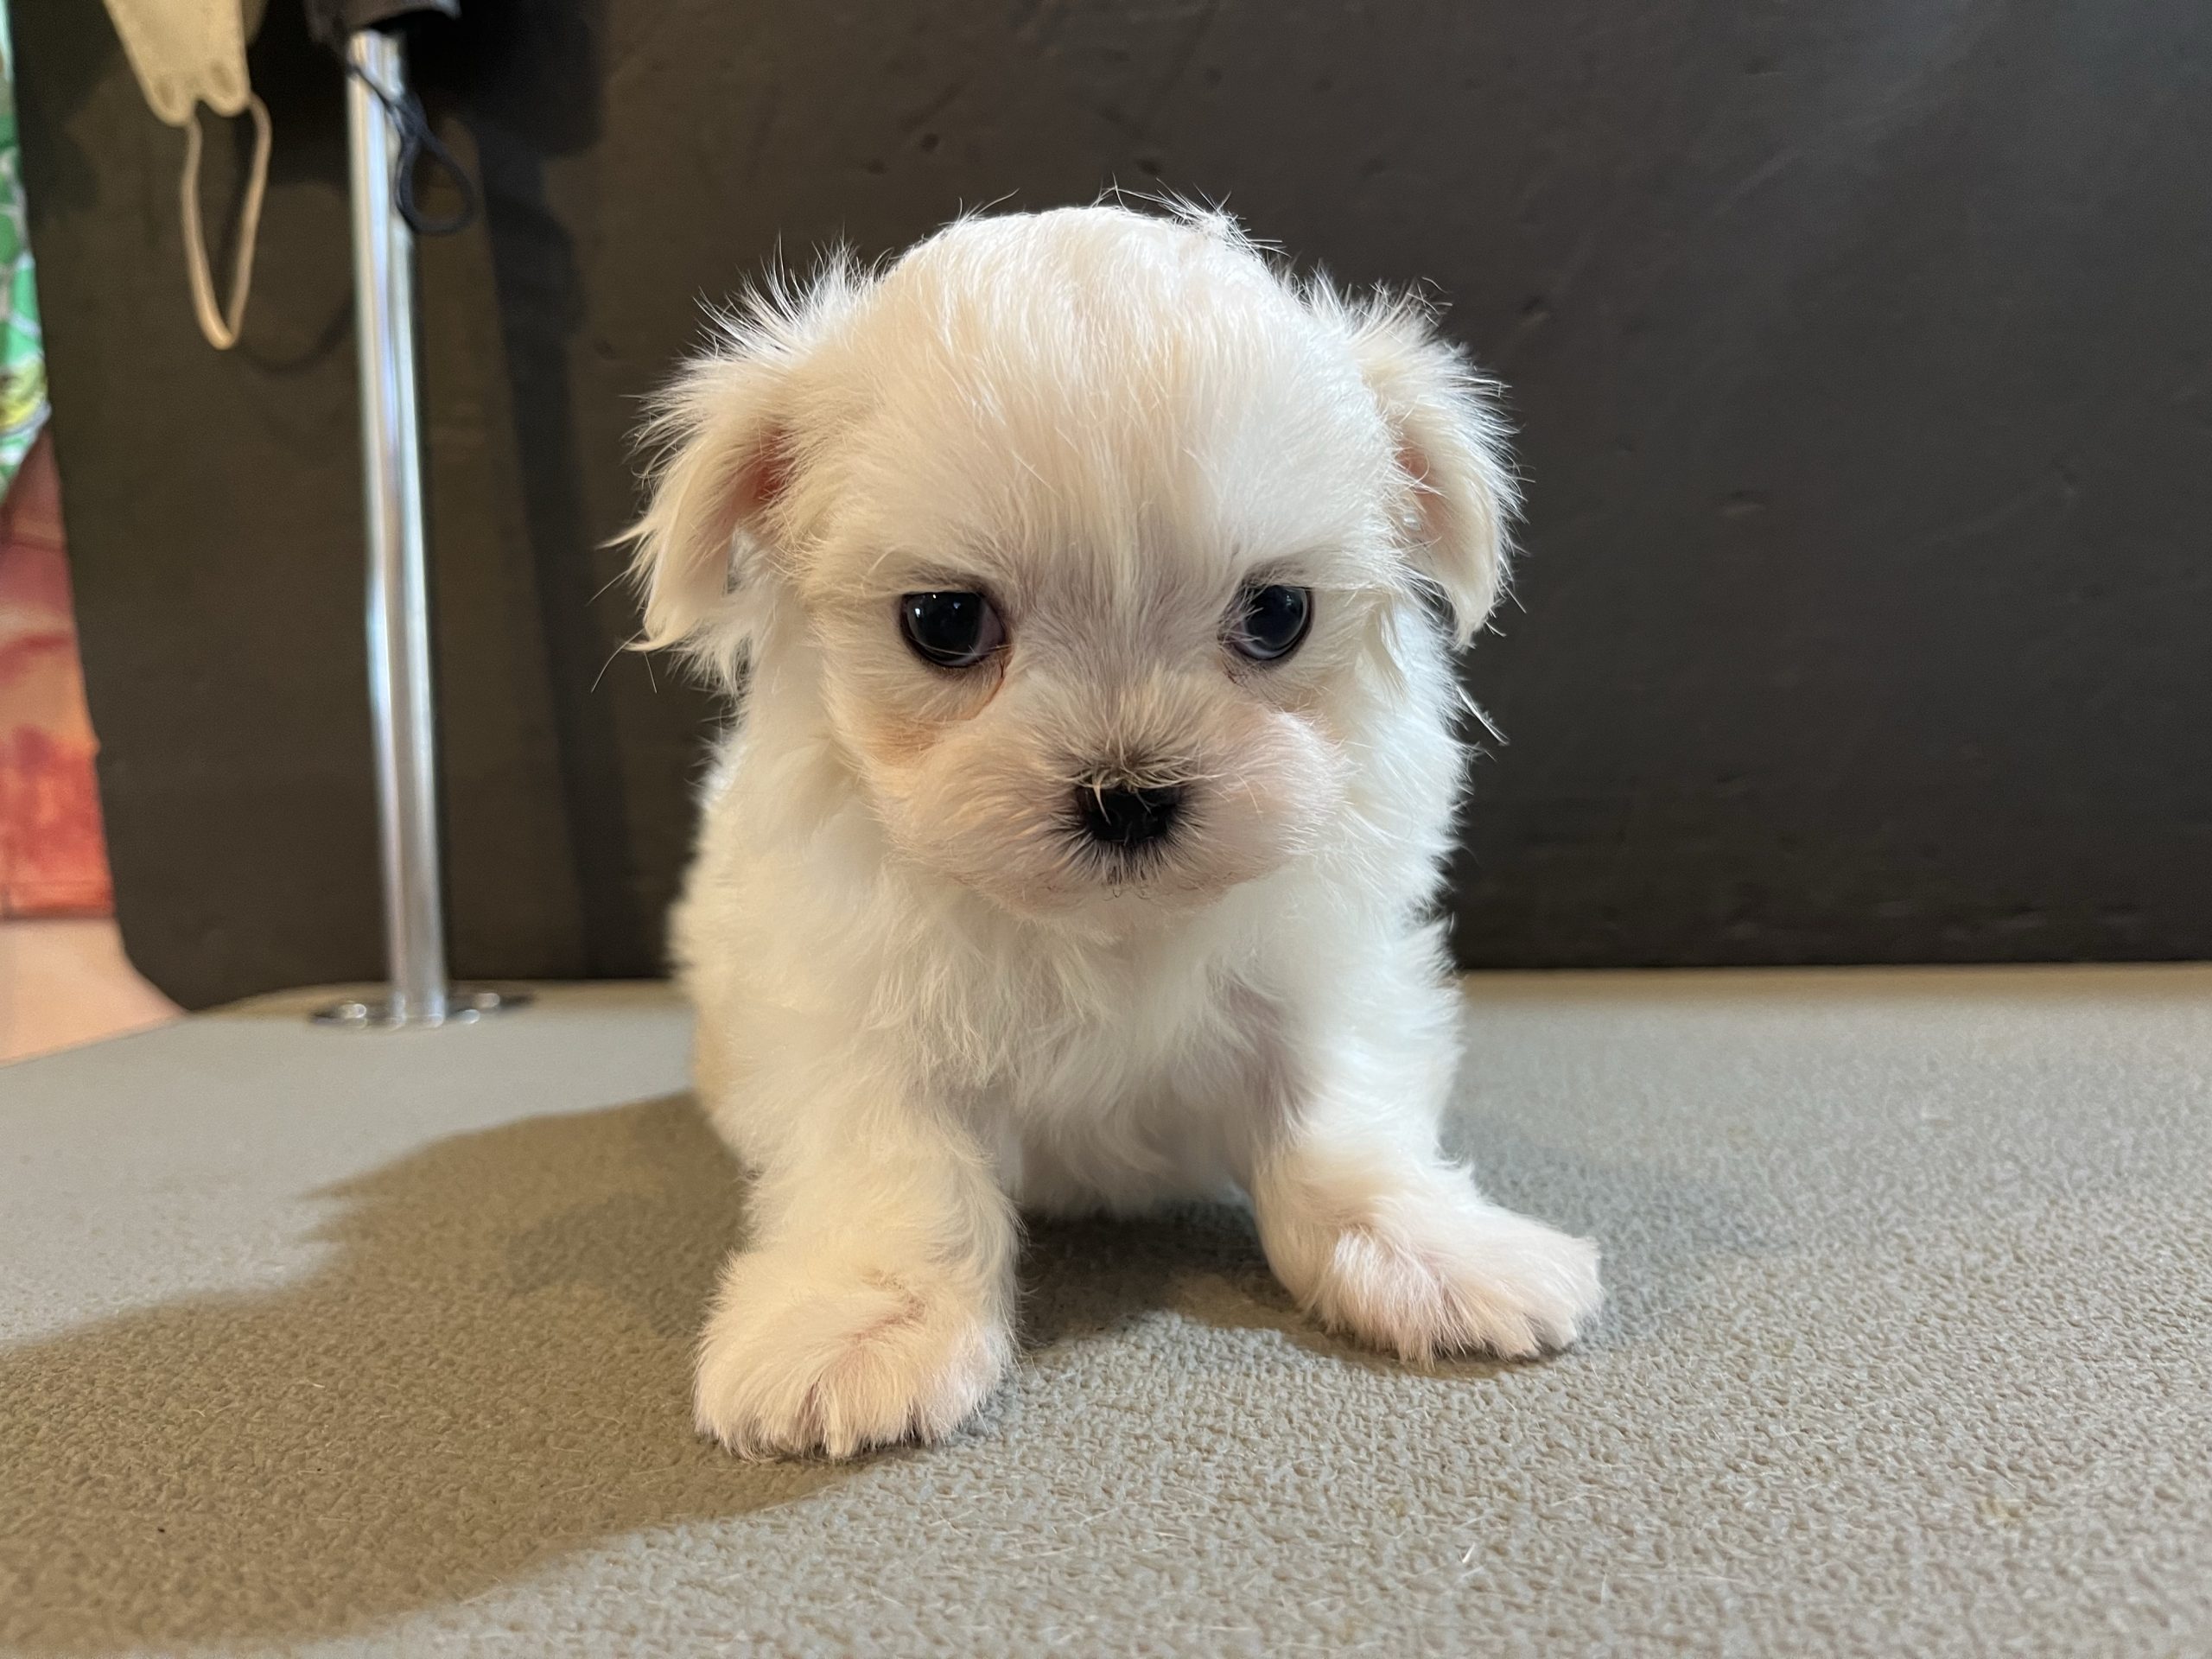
(400, 706)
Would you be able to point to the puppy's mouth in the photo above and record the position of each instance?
(1119, 870)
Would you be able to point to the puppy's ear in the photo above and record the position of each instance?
(728, 453)
(1450, 450)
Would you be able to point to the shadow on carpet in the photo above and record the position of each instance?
(492, 1370)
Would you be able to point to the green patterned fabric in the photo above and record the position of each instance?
(22, 361)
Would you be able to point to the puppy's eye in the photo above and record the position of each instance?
(950, 630)
(1270, 622)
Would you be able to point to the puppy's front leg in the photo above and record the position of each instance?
(1379, 1237)
(873, 1305)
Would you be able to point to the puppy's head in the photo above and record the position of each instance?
(1091, 535)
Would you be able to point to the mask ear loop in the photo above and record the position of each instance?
(221, 327)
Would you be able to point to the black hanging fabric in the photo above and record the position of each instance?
(1866, 587)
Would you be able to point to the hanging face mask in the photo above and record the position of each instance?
(187, 52)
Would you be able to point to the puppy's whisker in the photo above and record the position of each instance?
(618, 651)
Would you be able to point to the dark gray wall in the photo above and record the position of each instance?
(1863, 354)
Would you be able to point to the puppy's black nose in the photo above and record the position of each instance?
(1121, 815)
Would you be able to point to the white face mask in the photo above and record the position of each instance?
(187, 52)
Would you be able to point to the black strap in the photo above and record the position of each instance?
(416, 141)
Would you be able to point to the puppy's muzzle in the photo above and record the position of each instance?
(1126, 817)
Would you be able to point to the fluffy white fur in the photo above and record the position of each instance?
(923, 1004)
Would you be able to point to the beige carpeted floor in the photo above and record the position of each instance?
(348, 1343)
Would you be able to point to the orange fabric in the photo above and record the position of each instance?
(52, 851)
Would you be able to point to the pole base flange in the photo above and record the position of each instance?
(465, 1005)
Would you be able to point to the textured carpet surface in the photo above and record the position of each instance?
(352, 1343)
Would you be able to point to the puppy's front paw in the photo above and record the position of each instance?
(1424, 1275)
(803, 1355)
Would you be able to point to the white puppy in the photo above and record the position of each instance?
(1079, 843)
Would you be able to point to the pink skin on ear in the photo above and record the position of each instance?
(764, 479)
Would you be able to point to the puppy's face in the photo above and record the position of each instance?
(1097, 529)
